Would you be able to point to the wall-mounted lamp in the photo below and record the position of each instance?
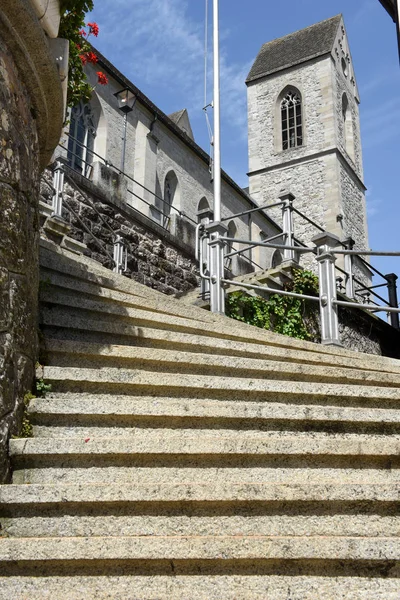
(126, 101)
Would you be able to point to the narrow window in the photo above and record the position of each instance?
(82, 132)
(292, 122)
(170, 193)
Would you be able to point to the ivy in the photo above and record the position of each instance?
(281, 314)
(74, 29)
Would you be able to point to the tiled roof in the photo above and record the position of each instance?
(295, 48)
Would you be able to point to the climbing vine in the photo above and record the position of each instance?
(281, 314)
(74, 29)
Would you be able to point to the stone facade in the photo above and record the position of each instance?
(26, 139)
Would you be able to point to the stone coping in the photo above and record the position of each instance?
(26, 40)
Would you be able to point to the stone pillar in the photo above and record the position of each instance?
(31, 114)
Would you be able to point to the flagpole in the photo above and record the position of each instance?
(217, 117)
(216, 229)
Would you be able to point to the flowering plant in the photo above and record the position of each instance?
(74, 29)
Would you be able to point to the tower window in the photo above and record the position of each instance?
(292, 122)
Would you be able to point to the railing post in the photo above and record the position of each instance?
(391, 279)
(348, 267)
(216, 266)
(287, 223)
(325, 243)
(119, 248)
(58, 185)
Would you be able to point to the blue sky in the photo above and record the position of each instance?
(159, 45)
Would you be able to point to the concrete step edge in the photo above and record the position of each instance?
(137, 378)
(200, 547)
(172, 443)
(90, 493)
(239, 365)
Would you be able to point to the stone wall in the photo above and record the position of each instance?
(156, 257)
(28, 121)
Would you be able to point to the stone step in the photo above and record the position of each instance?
(86, 414)
(197, 444)
(181, 581)
(56, 283)
(86, 269)
(136, 381)
(72, 327)
(213, 519)
(213, 548)
(68, 302)
(265, 492)
(72, 354)
(236, 509)
(163, 469)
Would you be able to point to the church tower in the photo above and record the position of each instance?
(304, 130)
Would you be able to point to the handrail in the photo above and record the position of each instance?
(253, 210)
(91, 203)
(110, 164)
(102, 246)
(307, 219)
(267, 245)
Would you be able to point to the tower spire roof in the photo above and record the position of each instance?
(295, 48)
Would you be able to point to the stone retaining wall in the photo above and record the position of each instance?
(156, 257)
(30, 124)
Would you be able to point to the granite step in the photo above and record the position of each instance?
(212, 548)
(88, 414)
(72, 327)
(140, 382)
(88, 270)
(174, 443)
(179, 581)
(143, 469)
(194, 509)
(70, 353)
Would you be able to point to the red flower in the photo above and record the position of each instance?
(82, 32)
(94, 28)
(83, 58)
(91, 57)
(101, 78)
(78, 46)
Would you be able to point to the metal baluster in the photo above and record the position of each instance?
(287, 224)
(391, 279)
(58, 185)
(325, 243)
(348, 267)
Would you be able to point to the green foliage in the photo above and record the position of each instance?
(42, 388)
(26, 430)
(72, 22)
(281, 314)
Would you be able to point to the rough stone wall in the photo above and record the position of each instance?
(19, 226)
(153, 257)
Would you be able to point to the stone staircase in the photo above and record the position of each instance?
(184, 455)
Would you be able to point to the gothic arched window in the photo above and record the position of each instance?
(292, 120)
(170, 193)
(82, 131)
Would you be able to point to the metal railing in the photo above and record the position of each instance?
(325, 249)
(168, 207)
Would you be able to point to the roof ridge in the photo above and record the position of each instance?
(338, 16)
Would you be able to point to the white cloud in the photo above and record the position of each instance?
(156, 41)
